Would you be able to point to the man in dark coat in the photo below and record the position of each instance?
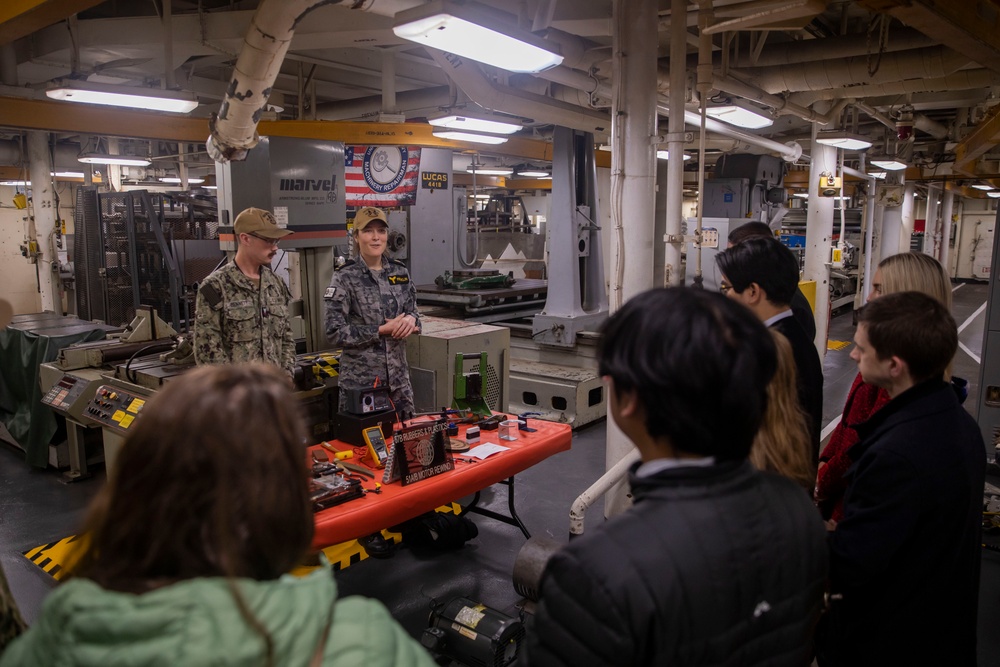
(904, 561)
(763, 275)
(716, 563)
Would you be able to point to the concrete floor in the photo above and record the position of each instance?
(37, 509)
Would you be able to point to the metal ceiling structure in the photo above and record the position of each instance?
(862, 66)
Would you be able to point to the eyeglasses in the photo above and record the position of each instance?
(265, 240)
(724, 288)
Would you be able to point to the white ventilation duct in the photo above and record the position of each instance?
(825, 74)
(234, 129)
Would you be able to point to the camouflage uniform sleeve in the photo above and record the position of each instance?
(287, 340)
(209, 345)
(411, 302)
(345, 328)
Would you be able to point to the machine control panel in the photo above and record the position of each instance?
(115, 408)
(70, 397)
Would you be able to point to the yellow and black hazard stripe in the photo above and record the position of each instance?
(54, 558)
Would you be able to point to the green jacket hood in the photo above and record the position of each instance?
(198, 622)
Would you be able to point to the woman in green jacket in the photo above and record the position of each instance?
(191, 539)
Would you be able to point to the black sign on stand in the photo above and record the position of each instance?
(433, 180)
(418, 453)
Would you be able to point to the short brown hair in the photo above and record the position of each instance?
(915, 327)
(211, 483)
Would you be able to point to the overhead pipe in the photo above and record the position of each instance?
(489, 95)
(44, 220)
(704, 85)
(961, 80)
(782, 106)
(823, 74)
(836, 48)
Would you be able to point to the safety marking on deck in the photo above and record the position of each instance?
(55, 557)
(837, 344)
(345, 554)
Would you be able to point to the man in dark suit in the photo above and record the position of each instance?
(800, 304)
(763, 275)
(905, 559)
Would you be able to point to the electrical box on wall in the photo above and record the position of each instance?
(829, 185)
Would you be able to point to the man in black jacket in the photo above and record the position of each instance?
(904, 561)
(716, 563)
(763, 275)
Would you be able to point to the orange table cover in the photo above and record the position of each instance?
(397, 503)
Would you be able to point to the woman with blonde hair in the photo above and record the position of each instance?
(783, 444)
(905, 272)
(189, 543)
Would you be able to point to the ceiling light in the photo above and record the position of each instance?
(805, 195)
(993, 194)
(741, 116)
(533, 173)
(210, 187)
(476, 123)
(665, 155)
(125, 161)
(174, 179)
(982, 187)
(70, 90)
(481, 197)
(473, 137)
(470, 31)
(890, 163)
(845, 140)
(877, 174)
(15, 183)
(489, 171)
(68, 174)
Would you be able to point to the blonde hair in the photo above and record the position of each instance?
(783, 444)
(916, 272)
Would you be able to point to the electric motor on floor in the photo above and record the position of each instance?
(473, 634)
(530, 565)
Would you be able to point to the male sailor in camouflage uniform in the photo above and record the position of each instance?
(242, 308)
(371, 307)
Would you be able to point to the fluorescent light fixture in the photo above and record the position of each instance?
(473, 137)
(665, 155)
(845, 140)
(982, 187)
(892, 164)
(490, 171)
(68, 174)
(98, 158)
(880, 175)
(471, 31)
(482, 196)
(740, 116)
(71, 90)
(476, 123)
(993, 194)
(211, 187)
(15, 183)
(534, 173)
(174, 179)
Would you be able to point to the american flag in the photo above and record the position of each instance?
(381, 175)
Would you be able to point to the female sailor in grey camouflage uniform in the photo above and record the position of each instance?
(371, 307)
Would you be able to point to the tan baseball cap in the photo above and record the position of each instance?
(367, 215)
(260, 222)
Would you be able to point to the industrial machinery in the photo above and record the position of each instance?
(70, 383)
(474, 279)
(473, 634)
(432, 357)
